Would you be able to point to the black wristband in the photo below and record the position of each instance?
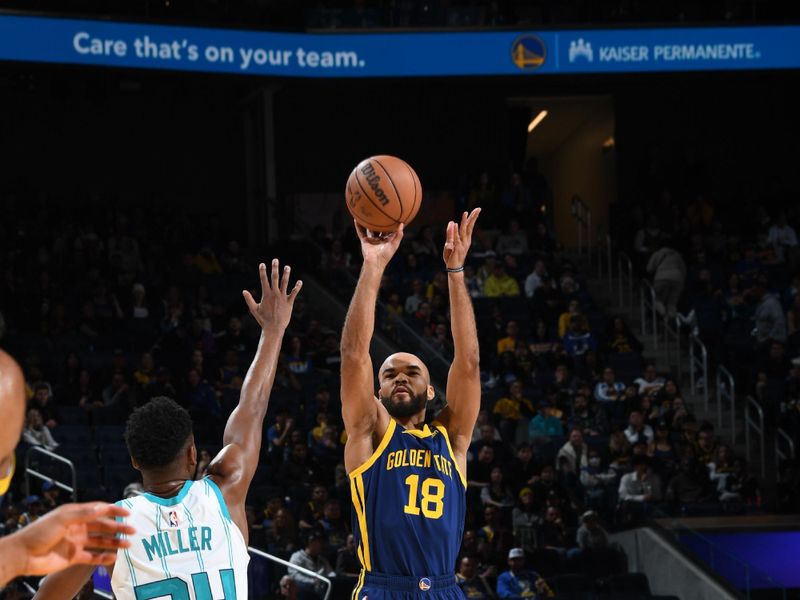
(455, 270)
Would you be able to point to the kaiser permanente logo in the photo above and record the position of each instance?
(581, 51)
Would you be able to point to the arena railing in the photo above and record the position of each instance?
(303, 570)
(726, 393)
(583, 220)
(698, 362)
(625, 281)
(647, 307)
(604, 254)
(756, 425)
(790, 454)
(31, 472)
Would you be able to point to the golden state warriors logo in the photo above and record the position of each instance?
(528, 52)
(424, 584)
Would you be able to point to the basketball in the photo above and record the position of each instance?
(382, 192)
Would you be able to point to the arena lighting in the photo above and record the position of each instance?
(536, 120)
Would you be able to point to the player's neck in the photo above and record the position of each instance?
(164, 484)
(416, 421)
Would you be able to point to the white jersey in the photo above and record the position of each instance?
(185, 548)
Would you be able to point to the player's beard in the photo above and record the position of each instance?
(400, 410)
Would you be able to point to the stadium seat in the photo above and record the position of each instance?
(570, 583)
(631, 583)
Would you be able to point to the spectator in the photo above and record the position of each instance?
(497, 493)
(311, 558)
(313, 509)
(282, 534)
(573, 309)
(480, 469)
(691, 487)
(577, 341)
(637, 430)
(590, 420)
(509, 342)
(706, 445)
(472, 584)
(545, 425)
(783, 239)
(500, 284)
(573, 455)
(591, 535)
(553, 531)
(640, 489)
(547, 484)
(348, 567)
(609, 390)
(525, 518)
(51, 495)
(648, 239)
(669, 275)
(662, 452)
(35, 432)
(116, 395)
(595, 480)
(43, 401)
(536, 279)
(620, 339)
(519, 582)
(335, 528)
(770, 323)
(514, 241)
(511, 410)
(525, 468)
(288, 588)
(650, 383)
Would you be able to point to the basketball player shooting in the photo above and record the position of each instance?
(191, 536)
(408, 479)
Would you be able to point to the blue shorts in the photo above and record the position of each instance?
(377, 586)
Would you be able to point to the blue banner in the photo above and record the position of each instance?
(143, 46)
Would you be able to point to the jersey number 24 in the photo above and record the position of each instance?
(178, 589)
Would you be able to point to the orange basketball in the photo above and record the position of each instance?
(382, 192)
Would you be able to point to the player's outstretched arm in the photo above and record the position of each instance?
(362, 413)
(75, 537)
(463, 380)
(234, 467)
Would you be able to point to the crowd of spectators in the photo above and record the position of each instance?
(733, 280)
(576, 435)
(426, 13)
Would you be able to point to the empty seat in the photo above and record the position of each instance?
(570, 582)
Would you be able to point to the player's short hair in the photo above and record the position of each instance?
(157, 432)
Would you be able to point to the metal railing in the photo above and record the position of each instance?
(780, 455)
(604, 266)
(625, 281)
(286, 563)
(647, 305)
(698, 361)
(757, 426)
(726, 393)
(583, 219)
(672, 344)
(30, 472)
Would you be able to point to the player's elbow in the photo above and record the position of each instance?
(469, 360)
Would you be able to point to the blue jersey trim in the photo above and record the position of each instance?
(170, 501)
(218, 492)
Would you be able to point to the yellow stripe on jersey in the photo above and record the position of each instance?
(359, 586)
(443, 431)
(378, 451)
(359, 501)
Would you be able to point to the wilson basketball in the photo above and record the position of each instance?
(382, 192)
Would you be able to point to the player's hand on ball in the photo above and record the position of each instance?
(275, 308)
(73, 534)
(378, 248)
(459, 239)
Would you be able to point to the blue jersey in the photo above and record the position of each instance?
(410, 504)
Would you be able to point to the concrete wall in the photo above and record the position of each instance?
(669, 572)
(581, 166)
